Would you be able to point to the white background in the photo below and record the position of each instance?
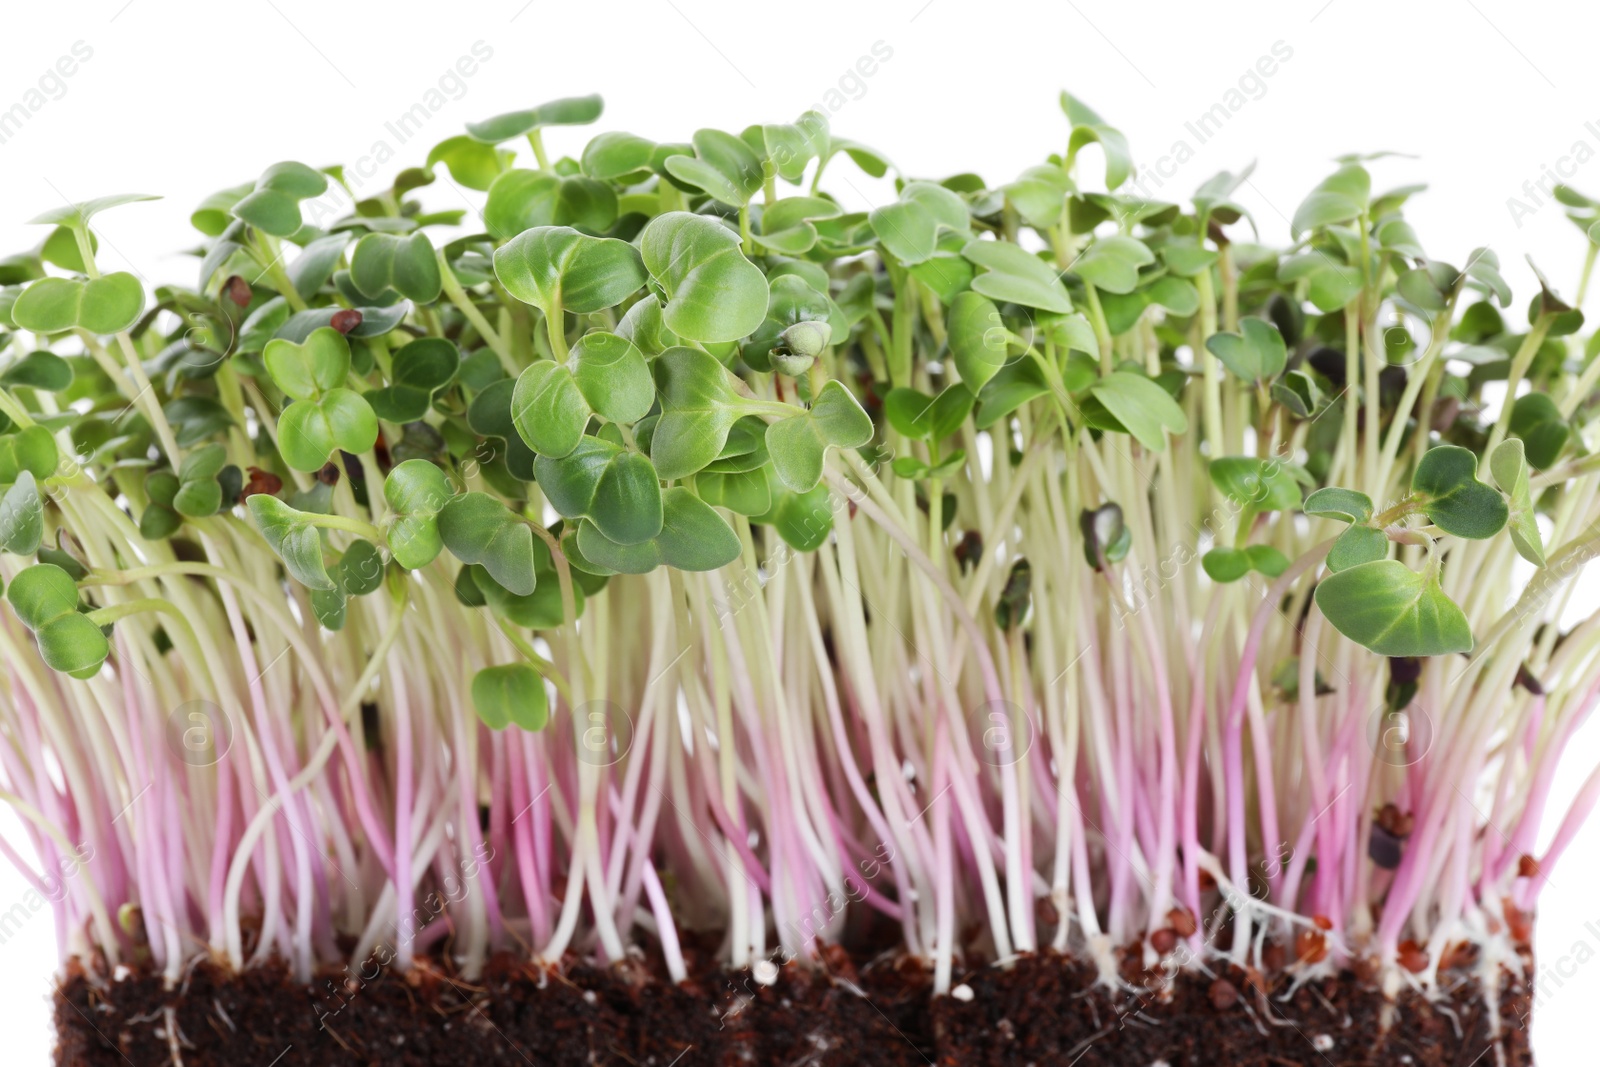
(182, 99)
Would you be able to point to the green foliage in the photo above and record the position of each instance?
(477, 528)
(415, 490)
(1012, 275)
(385, 262)
(556, 268)
(512, 694)
(692, 538)
(1255, 354)
(799, 444)
(1393, 610)
(1509, 466)
(604, 375)
(651, 339)
(1447, 483)
(21, 516)
(909, 229)
(698, 409)
(292, 535)
(713, 293)
(1231, 564)
(568, 111)
(418, 371)
(977, 338)
(1257, 484)
(273, 206)
(615, 488)
(45, 599)
(1140, 407)
(108, 304)
(1346, 505)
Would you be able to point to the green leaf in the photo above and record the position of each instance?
(643, 326)
(605, 375)
(1358, 544)
(415, 490)
(1509, 466)
(360, 569)
(477, 528)
(1258, 484)
(199, 494)
(977, 338)
(491, 415)
(290, 534)
(1256, 355)
(541, 610)
(1014, 275)
(1267, 560)
(920, 416)
(1393, 611)
(1141, 406)
(511, 694)
(549, 412)
(1014, 385)
(80, 213)
(104, 305)
(910, 227)
(1333, 502)
(195, 418)
(330, 607)
(556, 267)
(523, 199)
(45, 598)
(1536, 419)
(698, 408)
(693, 537)
(32, 450)
(798, 445)
(803, 520)
(307, 370)
(567, 111)
(723, 167)
(1088, 127)
(215, 212)
(274, 205)
(792, 146)
(1299, 394)
(40, 370)
(1040, 194)
(1454, 499)
(417, 372)
(375, 321)
(21, 516)
(471, 162)
(746, 492)
(1112, 264)
(1341, 197)
(408, 265)
(614, 154)
(839, 416)
(612, 486)
(310, 430)
(1224, 565)
(315, 264)
(787, 225)
(712, 292)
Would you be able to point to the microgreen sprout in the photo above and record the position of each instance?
(1039, 565)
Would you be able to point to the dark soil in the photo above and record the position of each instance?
(1040, 1011)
